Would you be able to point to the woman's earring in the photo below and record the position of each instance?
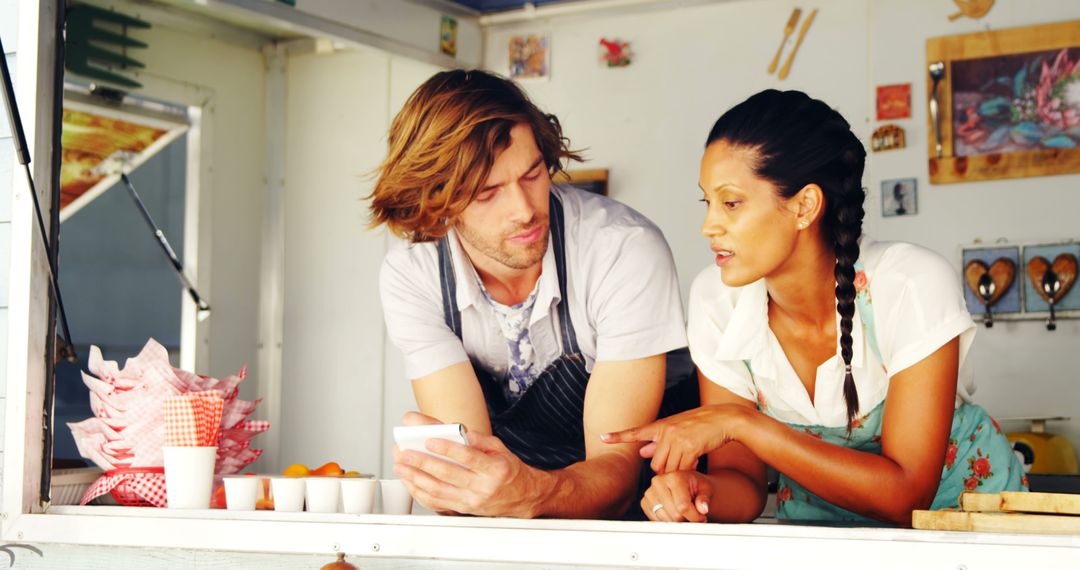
(802, 224)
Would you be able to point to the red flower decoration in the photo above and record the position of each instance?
(950, 454)
(860, 281)
(971, 482)
(981, 468)
(784, 494)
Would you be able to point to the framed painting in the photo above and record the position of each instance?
(1004, 104)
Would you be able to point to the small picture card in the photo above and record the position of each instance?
(448, 36)
(894, 102)
(530, 56)
(899, 197)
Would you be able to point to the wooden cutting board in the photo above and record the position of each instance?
(995, 522)
(1031, 513)
(1048, 503)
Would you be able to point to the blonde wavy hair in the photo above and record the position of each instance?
(442, 145)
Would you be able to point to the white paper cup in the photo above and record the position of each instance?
(358, 495)
(322, 494)
(288, 493)
(189, 476)
(241, 492)
(396, 499)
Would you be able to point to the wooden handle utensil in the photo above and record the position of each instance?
(790, 27)
(798, 42)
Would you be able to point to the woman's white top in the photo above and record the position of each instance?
(918, 306)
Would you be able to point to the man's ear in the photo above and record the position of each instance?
(808, 205)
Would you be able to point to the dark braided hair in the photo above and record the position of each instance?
(798, 141)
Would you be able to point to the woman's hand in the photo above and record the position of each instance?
(676, 442)
(678, 497)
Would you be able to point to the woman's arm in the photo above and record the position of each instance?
(905, 477)
(915, 433)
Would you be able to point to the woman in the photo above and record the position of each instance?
(803, 333)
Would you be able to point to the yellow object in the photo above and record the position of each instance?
(790, 27)
(331, 469)
(296, 470)
(973, 9)
(798, 42)
(1048, 453)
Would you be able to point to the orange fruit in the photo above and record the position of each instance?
(296, 470)
(217, 500)
(265, 501)
(331, 469)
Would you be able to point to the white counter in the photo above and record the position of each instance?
(575, 542)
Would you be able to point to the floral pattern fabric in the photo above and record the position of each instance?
(513, 321)
(978, 456)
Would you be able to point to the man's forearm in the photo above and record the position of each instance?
(600, 487)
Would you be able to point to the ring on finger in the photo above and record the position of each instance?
(657, 507)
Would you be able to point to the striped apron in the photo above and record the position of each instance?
(544, 426)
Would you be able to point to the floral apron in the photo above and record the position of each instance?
(978, 456)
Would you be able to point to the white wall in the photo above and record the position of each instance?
(400, 20)
(339, 108)
(9, 34)
(1021, 368)
(648, 123)
(332, 358)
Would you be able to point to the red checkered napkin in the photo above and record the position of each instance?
(193, 419)
(137, 484)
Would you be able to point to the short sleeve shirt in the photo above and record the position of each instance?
(917, 305)
(621, 280)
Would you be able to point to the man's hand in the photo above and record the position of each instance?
(491, 480)
(677, 497)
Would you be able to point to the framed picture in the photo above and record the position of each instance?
(448, 36)
(899, 197)
(530, 56)
(894, 102)
(591, 180)
(1004, 104)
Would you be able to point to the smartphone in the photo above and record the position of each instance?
(415, 437)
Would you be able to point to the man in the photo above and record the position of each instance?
(537, 316)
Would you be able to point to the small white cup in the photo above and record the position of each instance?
(189, 476)
(241, 492)
(396, 499)
(288, 494)
(322, 494)
(358, 495)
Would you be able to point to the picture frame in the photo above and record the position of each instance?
(593, 180)
(995, 108)
(899, 197)
(448, 28)
(529, 57)
(894, 102)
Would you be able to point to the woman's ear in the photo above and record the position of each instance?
(809, 204)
